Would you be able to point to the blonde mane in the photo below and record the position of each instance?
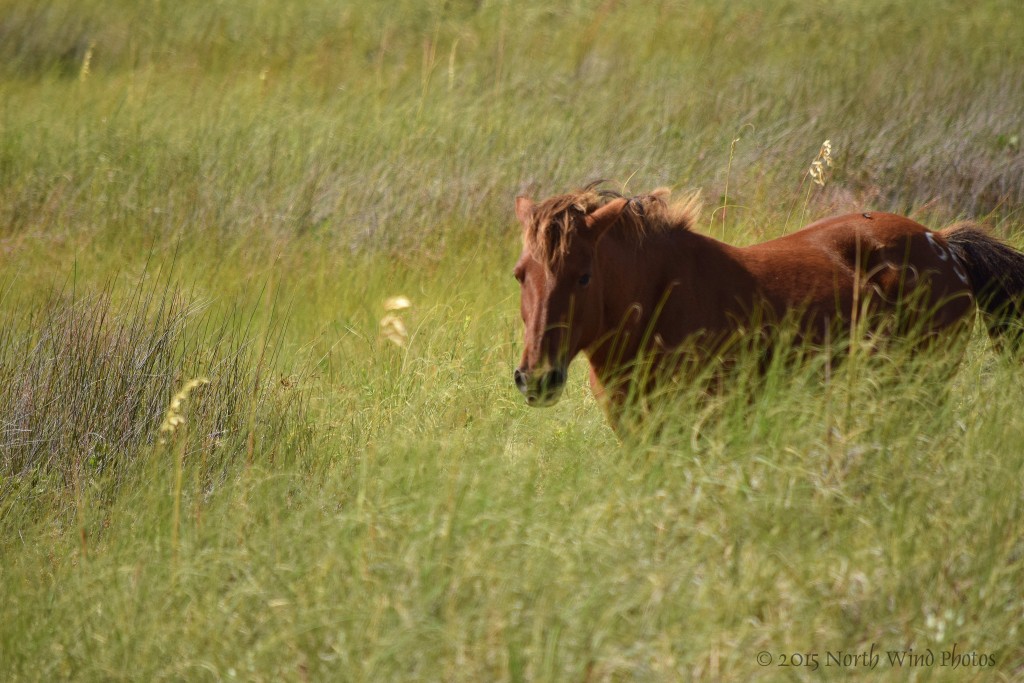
(554, 224)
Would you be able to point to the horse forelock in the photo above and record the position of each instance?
(549, 235)
(552, 226)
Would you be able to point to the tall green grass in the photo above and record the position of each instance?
(231, 191)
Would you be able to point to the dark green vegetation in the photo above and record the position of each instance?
(231, 191)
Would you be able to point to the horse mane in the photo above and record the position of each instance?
(551, 230)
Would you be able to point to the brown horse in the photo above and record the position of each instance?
(623, 278)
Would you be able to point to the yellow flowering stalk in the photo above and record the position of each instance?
(821, 162)
(391, 326)
(174, 417)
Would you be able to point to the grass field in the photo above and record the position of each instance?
(231, 191)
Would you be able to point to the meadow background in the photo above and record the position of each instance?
(231, 190)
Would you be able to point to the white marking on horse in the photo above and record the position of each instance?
(950, 255)
(939, 249)
(959, 269)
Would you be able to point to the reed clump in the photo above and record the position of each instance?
(91, 382)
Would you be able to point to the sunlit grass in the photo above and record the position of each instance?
(241, 192)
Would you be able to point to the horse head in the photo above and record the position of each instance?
(560, 287)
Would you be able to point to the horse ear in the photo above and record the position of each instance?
(603, 218)
(524, 210)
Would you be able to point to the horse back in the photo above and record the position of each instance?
(832, 265)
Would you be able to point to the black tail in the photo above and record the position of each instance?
(996, 271)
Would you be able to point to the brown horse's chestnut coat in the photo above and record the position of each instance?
(619, 278)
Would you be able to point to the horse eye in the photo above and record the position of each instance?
(585, 280)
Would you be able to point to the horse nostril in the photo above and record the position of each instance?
(520, 378)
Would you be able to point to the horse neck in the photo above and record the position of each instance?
(638, 273)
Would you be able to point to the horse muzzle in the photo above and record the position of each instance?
(542, 389)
